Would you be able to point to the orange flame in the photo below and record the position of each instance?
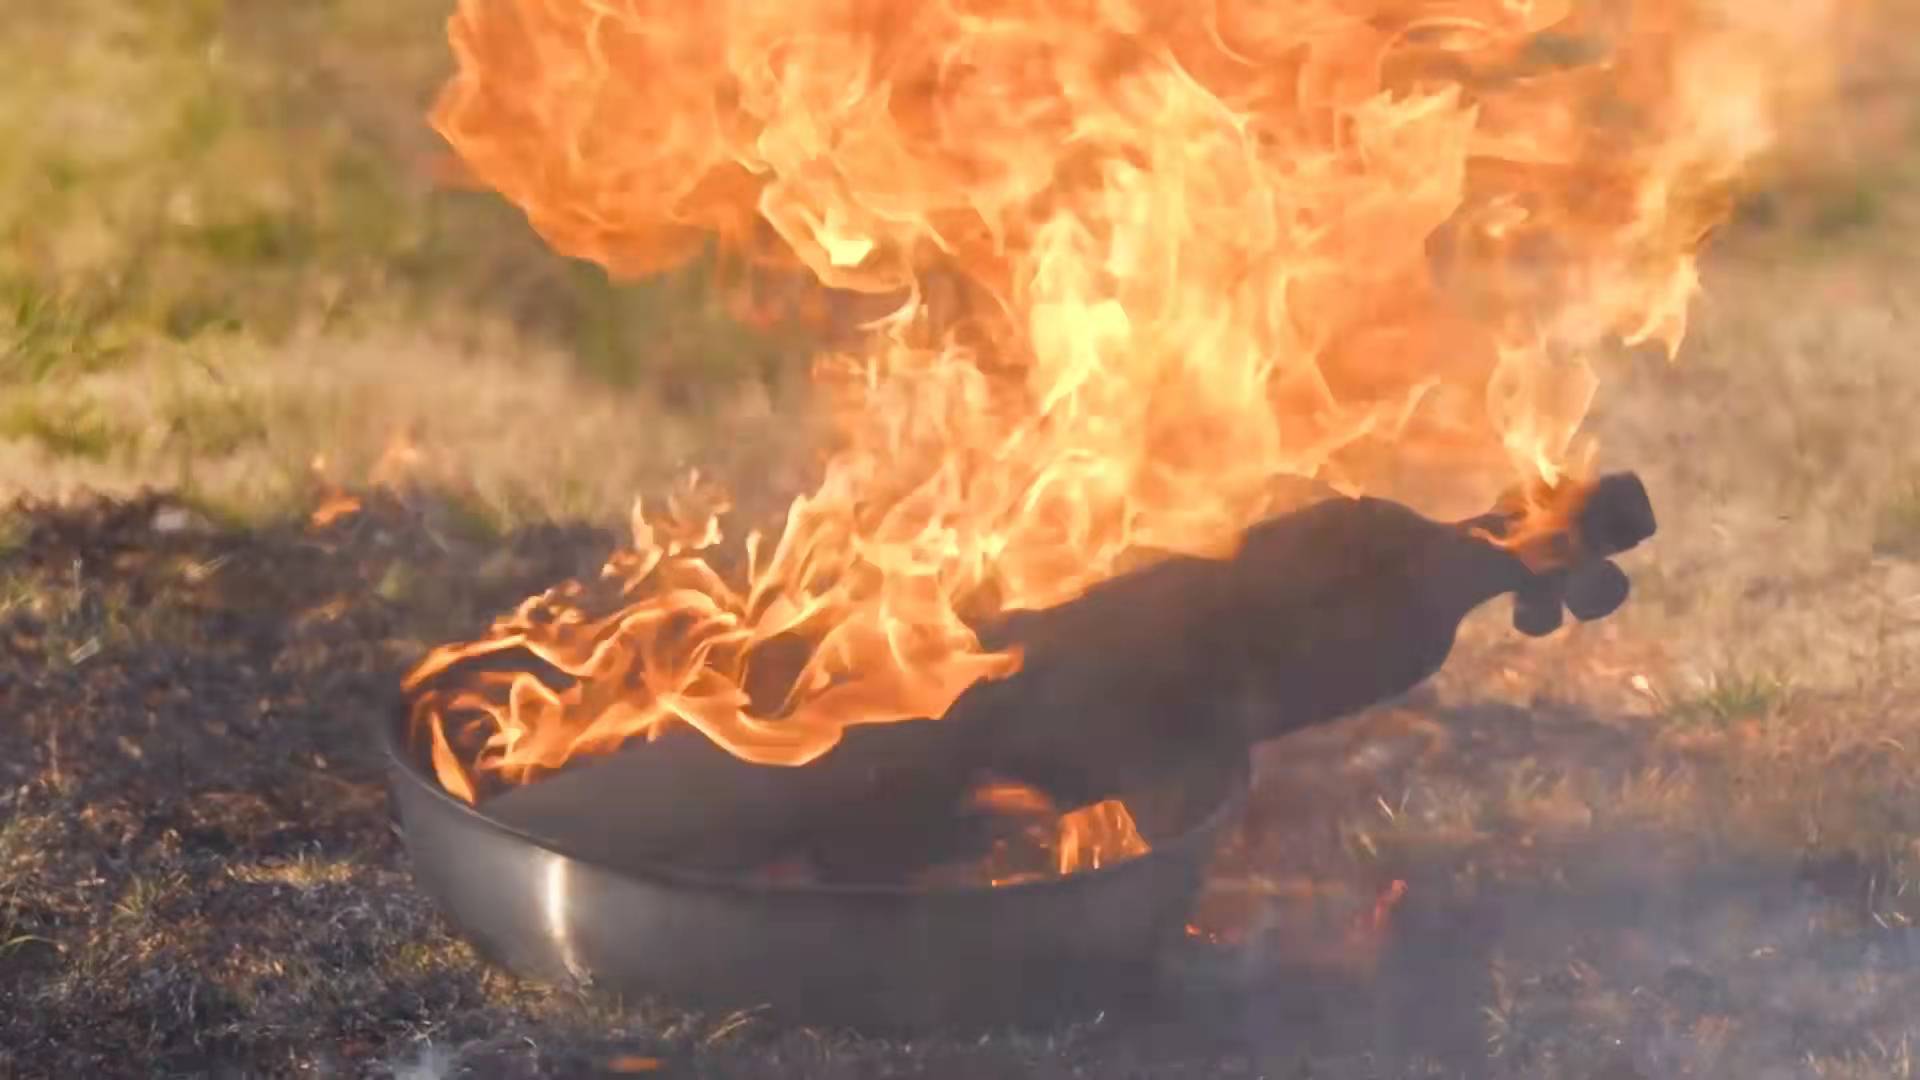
(1096, 836)
(1086, 839)
(333, 503)
(397, 463)
(1200, 246)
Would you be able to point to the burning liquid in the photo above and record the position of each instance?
(1187, 249)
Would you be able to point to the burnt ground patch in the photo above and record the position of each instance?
(198, 867)
(198, 875)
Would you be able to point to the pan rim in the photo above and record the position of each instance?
(1201, 833)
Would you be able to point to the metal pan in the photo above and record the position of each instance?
(870, 957)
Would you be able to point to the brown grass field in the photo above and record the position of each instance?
(1684, 842)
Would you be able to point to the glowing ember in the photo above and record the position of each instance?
(1086, 839)
(334, 506)
(1306, 924)
(335, 503)
(396, 465)
(1201, 247)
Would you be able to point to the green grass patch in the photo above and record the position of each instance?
(144, 896)
(214, 423)
(469, 516)
(204, 168)
(47, 331)
(1898, 530)
(229, 512)
(206, 179)
(64, 427)
(1728, 697)
(259, 238)
(1855, 204)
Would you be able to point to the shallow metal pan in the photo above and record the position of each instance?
(871, 957)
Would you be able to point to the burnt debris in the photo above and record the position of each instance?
(1183, 664)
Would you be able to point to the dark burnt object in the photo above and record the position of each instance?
(1322, 612)
(1142, 685)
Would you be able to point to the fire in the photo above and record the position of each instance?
(1149, 258)
(398, 461)
(1085, 839)
(1097, 835)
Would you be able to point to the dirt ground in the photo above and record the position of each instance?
(1684, 842)
(1599, 880)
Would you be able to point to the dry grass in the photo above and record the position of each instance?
(241, 427)
(225, 254)
(1683, 842)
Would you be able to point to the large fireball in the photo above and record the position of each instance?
(1202, 247)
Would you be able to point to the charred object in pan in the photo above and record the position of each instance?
(1321, 612)
(637, 868)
